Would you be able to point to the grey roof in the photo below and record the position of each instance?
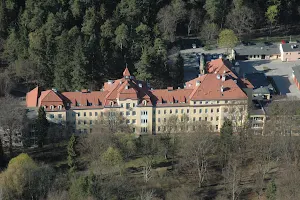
(257, 49)
(258, 79)
(291, 47)
(296, 71)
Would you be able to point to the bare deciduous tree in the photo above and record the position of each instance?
(197, 147)
(12, 115)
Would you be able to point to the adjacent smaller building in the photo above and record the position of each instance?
(290, 52)
(262, 88)
(296, 76)
(258, 51)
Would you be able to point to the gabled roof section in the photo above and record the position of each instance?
(32, 97)
(220, 66)
(126, 72)
(211, 89)
(84, 99)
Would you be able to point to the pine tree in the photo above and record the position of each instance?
(271, 190)
(41, 127)
(79, 80)
(72, 153)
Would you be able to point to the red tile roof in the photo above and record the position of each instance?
(126, 72)
(32, 97)
(205, 87)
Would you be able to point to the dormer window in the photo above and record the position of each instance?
(144, 102)
(51, 107)
(111, 103)
(59, 107)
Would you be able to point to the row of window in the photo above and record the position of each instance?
(84, 122)
(127, 105)
(206, 110)
(132, 121)
(194, 119)
(207, 102)
(163, 128)
(128, 113)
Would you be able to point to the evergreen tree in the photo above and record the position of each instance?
(78, 65)
(271, 190)
(41, 127)
(179, 71)
(1, 154)
(72, 153)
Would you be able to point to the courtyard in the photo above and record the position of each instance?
(281, 72)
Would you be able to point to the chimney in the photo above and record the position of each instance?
(169, 88)
(198, 83)
(54, 90)
(121, 82)
(127, 87)
(202, 64)
(224, 77)
(222, 88)
(84, 91)
(218, 77)
(110, 82)
(140, 85)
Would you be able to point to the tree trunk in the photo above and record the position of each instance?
(10, 135)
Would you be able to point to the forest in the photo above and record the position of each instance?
(78, 44)
(185, 162)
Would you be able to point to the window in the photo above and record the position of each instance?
(91, 114)
(60, 107)
(134, 121)
(182, 111)
(127, 113)
(217, 127)
(133, 105)
(187, 111)
(144, 129)
(206, 102)
(194, 102)
(51, 107)
(159, 112)
(194, 110)
(205, 118)
(194, 119)
(91, 130)
(226, 101)
(127, 105)
(84, 114)
(133, 113)
(200, 102)
(84, 122)
(158, 128)
(91, 121)
(111, 103)
(145, 102)
(212, 110)
(165, 120)
(211, 119)
(170, 111)
(122, 105)
(144, 112)
(176, 111)
(200, 119)
(60, 116)
(127, 121)
(51, 116)
(225, 109)
(78, 114)
(217, 118)
(96, 114)
(218, 102)
(206, 110)
(218, 110)
(165, 112)
(200, 110)
(79, 122)
(133, 130)
(101, 114)
(158, 119)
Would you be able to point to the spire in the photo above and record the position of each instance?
(126, 73)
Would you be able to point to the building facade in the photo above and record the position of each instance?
(290, 52)
(211, 97)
